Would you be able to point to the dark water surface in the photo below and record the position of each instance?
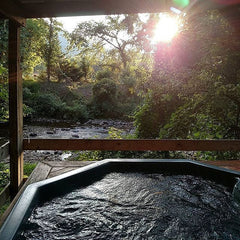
(139, 206)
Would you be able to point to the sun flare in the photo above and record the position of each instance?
(166, 29)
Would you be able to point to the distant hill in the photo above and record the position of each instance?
(64, 44)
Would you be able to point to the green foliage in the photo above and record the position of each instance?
(3, 102)
(5, 173)
(95, 35)
(128, 80)
(78, 112)
(105, 90)
(51, 106)
(3, 49)
(194, 87)
(53, 100)
(104, 74)
(48, 104)
(4, 207)
(147, 120)
(155, 112)
(215, 155)
(50, 49)
(32, 86)
(68, 70)
(115, 133)
(28, 168)
(40, 102)
(3, 73)
(191, 86)
(101, 155)
(104, 98)
(32, 40)
(4, 176)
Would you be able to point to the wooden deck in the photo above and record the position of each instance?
(228, 164)
(49, 169)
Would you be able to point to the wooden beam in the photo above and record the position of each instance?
(131, 145)
(93, 7)
(14, 12)
(4, 151)
(15, 109)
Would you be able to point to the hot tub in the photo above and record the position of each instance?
(35, 197)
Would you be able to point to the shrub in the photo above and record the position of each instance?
(104, 74)
(4, 176)
(53, 100)
(68, 70)
(105, 90)
(48, 104)
(104, 98)
(33, 86)
(3, 102)
(76, 112)
(147, 119)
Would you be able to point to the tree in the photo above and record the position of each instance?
(33, 42)
(51, 50)
(117, 33)
(198, 87)
(3, 50)
(33, 37)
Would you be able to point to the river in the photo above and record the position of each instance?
(93, 129)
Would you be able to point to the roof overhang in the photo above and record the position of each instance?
(20, 9)
(12, 10)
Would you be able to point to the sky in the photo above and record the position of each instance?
(69, 23)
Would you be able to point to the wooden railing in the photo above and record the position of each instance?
(4, 151)
(5, 193)
(131, 145)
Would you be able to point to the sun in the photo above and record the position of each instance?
(166, 29)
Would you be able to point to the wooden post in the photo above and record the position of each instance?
(15, 109)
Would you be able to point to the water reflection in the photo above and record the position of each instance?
(139, 206)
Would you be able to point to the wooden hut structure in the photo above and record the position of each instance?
(18, 10)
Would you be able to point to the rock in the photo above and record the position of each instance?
(50, 132)
(89, 122)
(75, 136)
(33, 134)
(65, 129)
(103, 123)
(57, 152)
(75, 130)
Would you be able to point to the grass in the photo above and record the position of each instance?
(4, 207)
(28, 168)
(4, 175)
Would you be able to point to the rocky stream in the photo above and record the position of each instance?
(54, 129)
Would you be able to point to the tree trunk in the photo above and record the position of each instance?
(49, 54)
